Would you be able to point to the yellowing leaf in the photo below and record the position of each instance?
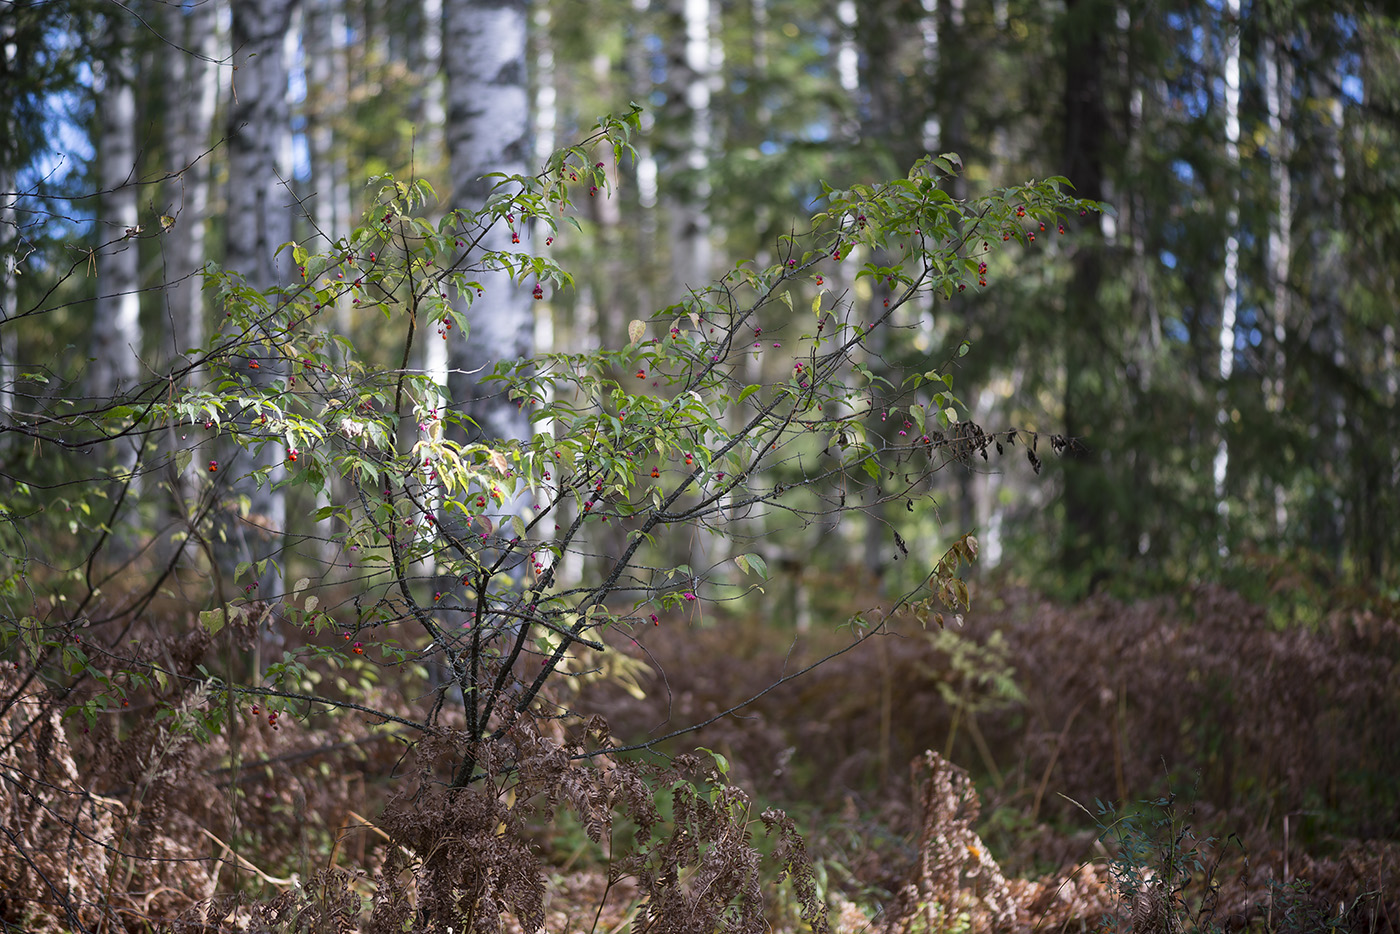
(212, 620)
(636, 330)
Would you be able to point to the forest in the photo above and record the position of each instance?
(699, 466)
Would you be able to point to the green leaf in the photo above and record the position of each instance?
(752, 564)
(212, 620)
(721, 763)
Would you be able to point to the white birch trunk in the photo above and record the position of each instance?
(9, 295)
(116, 330)
(328, 90)
(191, 96)
(116, 327)
(1278, 98)
(259, 219)
(9, 259)
(488, 126)
(931, 134)
(1230, 298)
(487, 131)
(692, 256)
(325, 37)
(692, 69)
(429, 119)
(647, 170)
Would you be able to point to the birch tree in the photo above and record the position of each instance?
(488, 127)
(9, 237)
(1278, 98)
(116, 330)
(9, 244)
(1230, 295)
(191, 96)
(692, 65)
(259, 220)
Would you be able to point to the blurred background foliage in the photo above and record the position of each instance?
(1222, 349)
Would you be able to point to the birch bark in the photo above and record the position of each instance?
(488, 127)
(259, 219)
(1230, 287)
(116, 330)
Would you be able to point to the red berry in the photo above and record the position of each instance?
(641, 374)
(655, 472)
(213, 466)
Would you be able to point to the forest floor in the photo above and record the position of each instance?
(1196, 763)
(1244, 764)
